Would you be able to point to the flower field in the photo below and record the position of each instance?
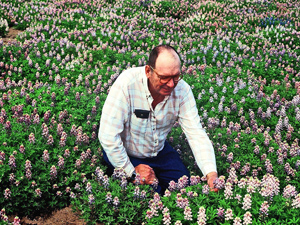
(241, 58)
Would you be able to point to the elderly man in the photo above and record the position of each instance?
(142, 106)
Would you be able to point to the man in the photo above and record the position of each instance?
(142, 106)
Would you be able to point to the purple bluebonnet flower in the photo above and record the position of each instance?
(220, 212)
(108, 197)
(205, 189)
(89, 187)
(220, 182)
(91, 199)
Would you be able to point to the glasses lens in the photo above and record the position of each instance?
(165, 80)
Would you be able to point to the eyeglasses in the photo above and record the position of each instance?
(165, 79)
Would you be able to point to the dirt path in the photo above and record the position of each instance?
(60, 217)
(11, 36)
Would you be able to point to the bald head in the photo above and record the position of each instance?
(167, 50)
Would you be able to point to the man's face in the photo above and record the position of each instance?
(167, 66)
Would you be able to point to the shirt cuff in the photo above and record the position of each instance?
(129, 169)
(209, 169)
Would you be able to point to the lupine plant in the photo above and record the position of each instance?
(241, 59)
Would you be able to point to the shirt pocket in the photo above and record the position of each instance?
(138, 126)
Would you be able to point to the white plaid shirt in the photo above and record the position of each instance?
(122, 133)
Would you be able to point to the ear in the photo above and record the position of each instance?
(148, 71)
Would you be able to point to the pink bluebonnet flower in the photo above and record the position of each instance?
(228, 214)
(182, 202)
(45, 156)
(7, 193)
(17, 221)
(172, 186)
(264, 208)
(50, 140)
(31, 138)
(289, 191)
(53, 172)
(269, 186)
(188, 213)
(247, 218)
(182, 182)
(2, 155)
(228, 191)
(201, 217)
(178, 222)
(237, 221)
(247, 202)
(116, 202)
(12, 161)
(12, 177)
(166, 216)
(167, 193)
(38, 192)
(150, 213)
(67, 153)
(61, 162)
(296, 202)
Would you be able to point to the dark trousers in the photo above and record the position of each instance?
(167, 166)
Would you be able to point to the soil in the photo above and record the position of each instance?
(64, 216)
(11, 36)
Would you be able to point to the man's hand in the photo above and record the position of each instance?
(146, 172)
(211, 177)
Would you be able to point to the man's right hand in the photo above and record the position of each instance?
(146, 173)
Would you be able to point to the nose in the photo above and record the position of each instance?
(171, 83)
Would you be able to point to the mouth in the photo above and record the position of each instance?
(167, 90)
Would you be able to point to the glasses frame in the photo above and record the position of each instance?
(170, 77)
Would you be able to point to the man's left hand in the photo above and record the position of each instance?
(211, 177)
